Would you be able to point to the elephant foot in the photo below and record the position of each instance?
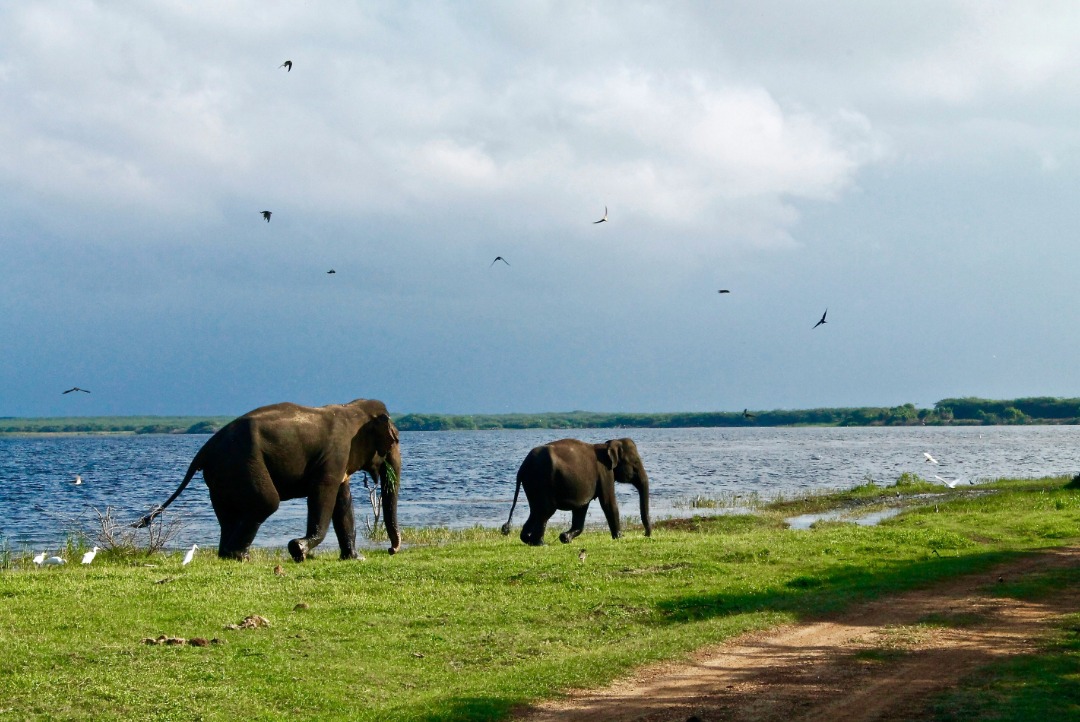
(298, 550)
(351, 554)
(394, 550)
(566, 537)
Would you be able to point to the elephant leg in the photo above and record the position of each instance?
(611, 511)
(239, 514)
(321, 502)
(237, 536)
(577, 524)
(343, 522)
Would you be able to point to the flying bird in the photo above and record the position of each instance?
(747, 415)
(497, 259)
(39, 559)
(266, 215)
(821, 321)
(54, 561)
(287, 65)
(331, 271)
(190, 555)
(78, 480)
(723, 290)
(602, 220)
(89, 556)
(951, 484)
(74, 388)
(930, 459)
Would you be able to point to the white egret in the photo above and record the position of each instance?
(54, 561)
(39, 559)
(78, 480)
(929, 459)
(190, 555)
(89, 556)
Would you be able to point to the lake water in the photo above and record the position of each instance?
(462, 479)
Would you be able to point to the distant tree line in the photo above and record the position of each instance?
(959, 411)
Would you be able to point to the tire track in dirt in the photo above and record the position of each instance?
(874, 663)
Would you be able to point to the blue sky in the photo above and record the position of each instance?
(912, 167)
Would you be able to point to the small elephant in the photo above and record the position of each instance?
(568, 474)
(287, 451)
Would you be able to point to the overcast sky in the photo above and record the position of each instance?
(912, 167)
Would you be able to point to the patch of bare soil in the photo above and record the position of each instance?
(879, 662)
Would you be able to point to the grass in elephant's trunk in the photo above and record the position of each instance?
(473, 623)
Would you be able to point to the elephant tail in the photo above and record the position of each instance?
(196, 465)
(517, 490)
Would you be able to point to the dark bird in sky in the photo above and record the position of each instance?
(74, 388)
(497, 259)
(602, 220)
(287, 65)
(266, 215)
(331, 271)
(821, 321)
(723, 290)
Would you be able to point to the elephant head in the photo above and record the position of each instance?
(375, 450)
(621, 457)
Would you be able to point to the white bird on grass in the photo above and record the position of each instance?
(190, 555)
(54, 561)
(39, 559)
(89, 556)
(929, 459)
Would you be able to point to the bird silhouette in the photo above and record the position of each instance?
(189, 556)
(266, 215)
(497, 259)
(74, 388)
(747, 415)
(331, 271)
(604, 219)
(287, 65)
(723, 290)
(822, 319)
(89, 556)
(930, 459)
(39, 559)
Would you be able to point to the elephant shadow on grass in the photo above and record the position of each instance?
(812, 597)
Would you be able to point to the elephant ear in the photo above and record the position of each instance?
(608, 454)
(386, 434)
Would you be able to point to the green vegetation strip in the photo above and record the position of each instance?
(953, 411)
(469, 624)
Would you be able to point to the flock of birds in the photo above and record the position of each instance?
(41, 560)
(266, 214)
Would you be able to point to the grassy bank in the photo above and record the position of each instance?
(470, 627)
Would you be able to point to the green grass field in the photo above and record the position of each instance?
(468, 625)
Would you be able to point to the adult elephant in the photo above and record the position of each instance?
(568, 474)
(287, 451)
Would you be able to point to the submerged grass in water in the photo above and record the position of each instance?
(463, 624)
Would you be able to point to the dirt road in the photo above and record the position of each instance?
(879, 662)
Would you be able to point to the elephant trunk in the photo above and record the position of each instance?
(390, 488)
(643, 495)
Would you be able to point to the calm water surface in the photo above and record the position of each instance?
(462, 479)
